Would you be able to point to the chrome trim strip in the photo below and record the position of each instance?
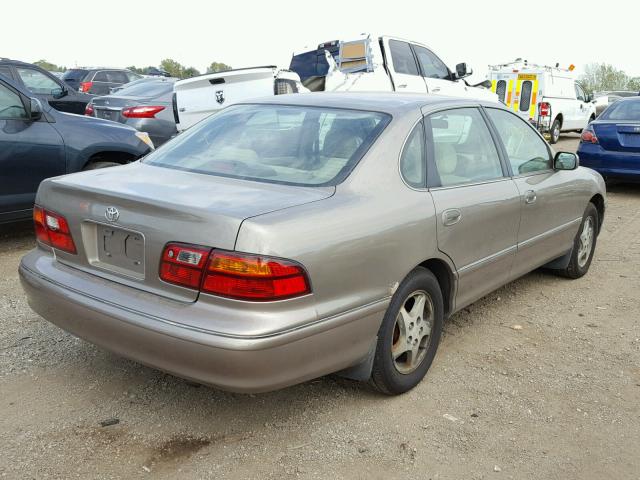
(490, 258)
(548, 233)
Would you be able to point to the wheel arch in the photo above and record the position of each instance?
(121, 157)
(446, 279)
(598, 202)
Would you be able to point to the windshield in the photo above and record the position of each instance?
(141, 88)
(294, 145)
(627, 110)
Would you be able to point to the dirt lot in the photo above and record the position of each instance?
(539, 380)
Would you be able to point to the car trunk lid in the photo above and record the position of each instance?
(618, 136)
(121, 218)
(110, 108)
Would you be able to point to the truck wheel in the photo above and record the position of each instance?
(583, 245)
(409, 335)
(555, 132)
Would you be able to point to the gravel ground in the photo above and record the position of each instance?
(539, 380)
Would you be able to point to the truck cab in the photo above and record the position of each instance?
(382, 63)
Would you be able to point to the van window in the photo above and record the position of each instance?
(402, 57)
(501, 89)
(525, 96)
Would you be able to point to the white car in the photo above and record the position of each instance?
(548, 97)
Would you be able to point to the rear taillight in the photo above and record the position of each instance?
(588, 135)
(53, 230)
(252, 277)
(146, 111)
(85, 86)
(544, 109)
(183, 264)
(233, 275)
(88, 110)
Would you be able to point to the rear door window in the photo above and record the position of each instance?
(101, 77)
(463, 149)
(402, 58)
(525, 96)
(117, 76)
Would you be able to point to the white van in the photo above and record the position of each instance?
(549, 97)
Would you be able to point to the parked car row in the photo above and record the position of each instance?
(38, 142)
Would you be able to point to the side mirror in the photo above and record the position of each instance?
(463, 70)
(35, 109)
(565, 161)
(59, 92)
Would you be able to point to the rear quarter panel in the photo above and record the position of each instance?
(360, 243)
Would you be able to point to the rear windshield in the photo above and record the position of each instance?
(75, 74)
(622, 110)
(146, 89)
(295, 145)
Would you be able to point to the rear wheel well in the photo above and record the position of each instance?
(116, 157)
(446, 280)
(559, 118)
(598, 202)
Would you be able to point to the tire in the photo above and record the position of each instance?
(582, 254)
(554, 134)
(395, 376)
(97, 165)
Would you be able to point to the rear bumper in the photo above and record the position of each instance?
(235, 363)
(622, 165)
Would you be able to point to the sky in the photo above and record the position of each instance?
(249, 33)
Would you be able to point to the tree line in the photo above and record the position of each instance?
(171, 66)
(600, 77)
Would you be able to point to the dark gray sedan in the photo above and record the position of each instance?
(144, 105)
(300, 235)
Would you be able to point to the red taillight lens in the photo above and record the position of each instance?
(85, 86)
(146, 111)
(588, 136)
(88, 110)
(183, 264)
(234, 275)
(53, 230)
(252, 277)
(545, 109)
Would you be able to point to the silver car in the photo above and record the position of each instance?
(289, 238)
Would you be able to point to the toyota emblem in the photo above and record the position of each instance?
(112, 214)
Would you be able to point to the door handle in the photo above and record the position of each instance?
(437, 89)
(404, 85)
(451, 217)
(530, 197)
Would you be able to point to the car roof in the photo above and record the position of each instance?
(8, 61)
(386, 102)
